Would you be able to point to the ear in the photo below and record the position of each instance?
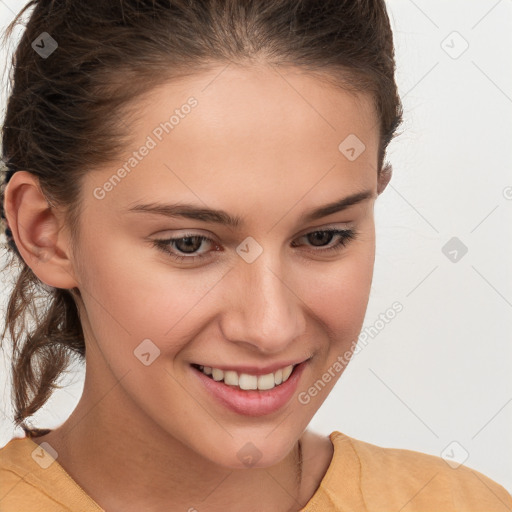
(384, 178)
(37, 230)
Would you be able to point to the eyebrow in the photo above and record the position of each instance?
(193, 212)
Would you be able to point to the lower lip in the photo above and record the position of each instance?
(252, 402)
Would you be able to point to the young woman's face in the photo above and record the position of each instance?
(274, 289)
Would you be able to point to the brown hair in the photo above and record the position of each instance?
(112, 51)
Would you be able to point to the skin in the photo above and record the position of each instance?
(263, 145)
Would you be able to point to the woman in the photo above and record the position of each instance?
(192, 186)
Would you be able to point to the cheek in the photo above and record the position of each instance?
(339, 299)
(130, 297)
(338, 293)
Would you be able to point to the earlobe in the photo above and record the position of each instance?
(36, 231)
(384, 178)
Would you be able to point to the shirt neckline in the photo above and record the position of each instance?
(341, 477)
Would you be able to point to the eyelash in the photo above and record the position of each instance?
(346, 235)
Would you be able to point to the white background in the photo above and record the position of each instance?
(440, 371)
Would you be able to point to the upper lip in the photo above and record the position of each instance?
(254, 370)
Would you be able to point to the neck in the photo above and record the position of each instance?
(146, 468)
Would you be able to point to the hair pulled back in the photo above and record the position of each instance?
(65, 112)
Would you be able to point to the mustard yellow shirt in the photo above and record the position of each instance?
(361, 477)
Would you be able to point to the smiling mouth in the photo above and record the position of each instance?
(246, 381)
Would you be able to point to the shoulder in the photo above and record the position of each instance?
(19, 489)
(31, 479)
(396, 477)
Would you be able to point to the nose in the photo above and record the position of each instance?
(263, 310)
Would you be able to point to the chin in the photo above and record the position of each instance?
(250, 451)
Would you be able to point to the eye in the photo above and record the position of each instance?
(325, 236)
(187, 244)
(191, 243)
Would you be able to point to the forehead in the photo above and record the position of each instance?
(247, 136)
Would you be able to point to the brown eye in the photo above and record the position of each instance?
(183, 245)
(320, 238)
(325, 236)
(189, 244)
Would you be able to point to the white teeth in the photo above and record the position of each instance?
(266, 381)
(217, 374)
(231, 378)
(286, 372)
(246, 381)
